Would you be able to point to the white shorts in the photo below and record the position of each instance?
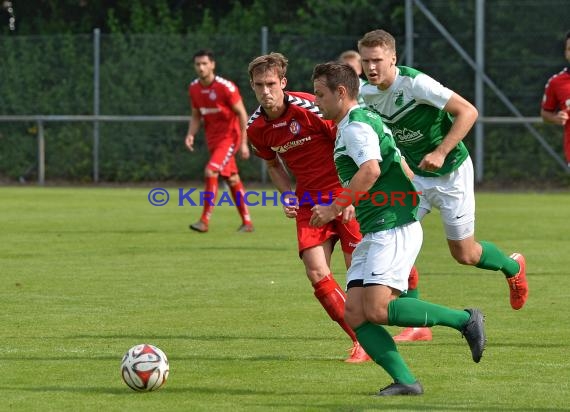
(386, 257)
(453, 194)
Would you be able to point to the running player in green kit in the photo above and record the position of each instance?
(429, 122)
(373, 174)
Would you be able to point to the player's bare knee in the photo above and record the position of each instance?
(210, 173)
(376, 315)
(465, 257)
(233, 179)
(315, 275)
(353, 318)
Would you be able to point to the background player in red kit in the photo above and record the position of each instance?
(556, 100)
(289, 127)
(218, 103)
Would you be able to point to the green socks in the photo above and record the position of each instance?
(493, 259)
(411, 293)
(380, 346)
(418, 313)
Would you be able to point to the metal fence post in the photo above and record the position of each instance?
(479, 90)
(409, 33)
(96, 64)
(41, 154)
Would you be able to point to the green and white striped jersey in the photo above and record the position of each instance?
(413, 109)
(392, 201)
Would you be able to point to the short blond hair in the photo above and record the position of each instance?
(349, 54)
(376, 38)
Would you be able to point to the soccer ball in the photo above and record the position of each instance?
(144, 368)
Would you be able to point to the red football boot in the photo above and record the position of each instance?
(518, 284)
(414, 334)
(357, 354)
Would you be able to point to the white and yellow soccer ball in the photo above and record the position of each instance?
(144, 368)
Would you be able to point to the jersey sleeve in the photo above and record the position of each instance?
(233, 95)
(362, 143)
(549, 101)
(429, 91)
(259, 148)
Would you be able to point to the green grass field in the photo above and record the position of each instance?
(87, 273)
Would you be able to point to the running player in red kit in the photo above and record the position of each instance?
(218, 103)
(288, 127)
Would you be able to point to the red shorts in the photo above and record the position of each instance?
(309, 236)
(222, 158)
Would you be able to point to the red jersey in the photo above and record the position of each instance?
(215, 103)
(303, 140)
(557, 95)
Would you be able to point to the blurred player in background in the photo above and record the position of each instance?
(556, 100)
(353, 59)
(218, 103)
(429, 122)
(368, 161)
(288, 127)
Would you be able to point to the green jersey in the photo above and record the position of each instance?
(413, 109)
(392, 200)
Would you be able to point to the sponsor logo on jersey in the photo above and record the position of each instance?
(209, 110)
(406, 136)
(294, 127)
(290, 145)
(280, 124)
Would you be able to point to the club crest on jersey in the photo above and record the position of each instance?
(212, 95)
(294, 127)
(399, 98)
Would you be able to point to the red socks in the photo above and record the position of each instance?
(332, 297)
(209, 202)
(238, 195)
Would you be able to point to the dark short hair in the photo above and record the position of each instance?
(204, 52)
(568, 35)
(338, 74)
